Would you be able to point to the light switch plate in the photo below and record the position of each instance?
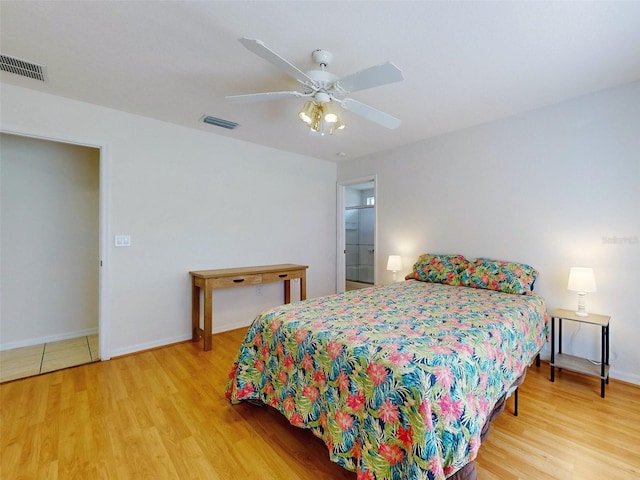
(123, 240)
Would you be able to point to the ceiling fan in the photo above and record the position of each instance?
(324, 89)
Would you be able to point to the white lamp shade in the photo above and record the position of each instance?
(394, 263)
(582, 279)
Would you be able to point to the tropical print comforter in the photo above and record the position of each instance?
(397, 380)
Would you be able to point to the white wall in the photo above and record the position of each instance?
(49, 257)
(190, 200)
(554, 188)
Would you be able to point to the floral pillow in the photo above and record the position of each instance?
(438, 269)
(507, 277)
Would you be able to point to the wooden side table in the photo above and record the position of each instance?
(577, 364)
(208, 280)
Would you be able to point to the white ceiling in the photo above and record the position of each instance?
(464, 63)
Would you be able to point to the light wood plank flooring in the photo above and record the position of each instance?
(34, 360)
(162, 414)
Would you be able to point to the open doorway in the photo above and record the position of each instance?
(50, 255)
(356, 234)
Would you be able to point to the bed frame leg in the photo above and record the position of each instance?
(515, 408)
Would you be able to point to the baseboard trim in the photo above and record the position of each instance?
(140, 347)
(232, 326)
(624, 376)
(29, 342)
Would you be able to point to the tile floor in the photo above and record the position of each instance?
(351, 285)
(37, 359)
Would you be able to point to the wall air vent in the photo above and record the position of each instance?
(219, 122)
(21, 67)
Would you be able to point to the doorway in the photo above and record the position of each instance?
(50, 266)
(357, 234)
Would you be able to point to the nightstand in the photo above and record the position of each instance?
(577, 364)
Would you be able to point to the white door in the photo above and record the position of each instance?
(52, 226)
(357, 233)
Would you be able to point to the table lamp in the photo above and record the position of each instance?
(583, 281)
(394, 264)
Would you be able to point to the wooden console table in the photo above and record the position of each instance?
(237, 277)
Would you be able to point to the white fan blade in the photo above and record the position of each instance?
(371, 113)
(260, 49)
(370, 77)
(262, 97)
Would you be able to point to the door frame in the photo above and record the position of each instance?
(104, 311)
(341, 275)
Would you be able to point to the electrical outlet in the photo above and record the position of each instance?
(259, 290)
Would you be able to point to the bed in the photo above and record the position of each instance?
(399, 381)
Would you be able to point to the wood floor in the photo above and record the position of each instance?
(162, 414)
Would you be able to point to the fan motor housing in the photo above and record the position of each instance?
(322, 78)
(322, 57)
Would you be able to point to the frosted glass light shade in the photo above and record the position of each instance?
(307, 113)
(582, 279)
(330, 115)
(394, 263)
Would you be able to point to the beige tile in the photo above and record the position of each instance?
(94, 347)
(28, 361)
(20, 362)
(19, 353)
(65, 353)
(69, 357)
(63, 345)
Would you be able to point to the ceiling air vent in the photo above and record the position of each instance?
(21, 67)
(219, 122)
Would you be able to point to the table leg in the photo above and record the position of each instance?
(559, 338)
(559, 335)
(607, 355)
(602, 359)
(208, 321)
(287, 291)
(553, 348)
(195, 310)
(303, 285)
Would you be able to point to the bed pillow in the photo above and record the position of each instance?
(438, 268)
(507, 277)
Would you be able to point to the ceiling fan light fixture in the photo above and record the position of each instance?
(330, 115)
(321, 117)
(338, 125)
(308, 112)
(316, 124)
(324, 89)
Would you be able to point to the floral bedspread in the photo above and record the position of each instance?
(397, 380)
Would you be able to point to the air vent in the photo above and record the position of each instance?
(21, 67)
(219, 122)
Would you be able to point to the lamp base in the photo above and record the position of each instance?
(581, 312)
